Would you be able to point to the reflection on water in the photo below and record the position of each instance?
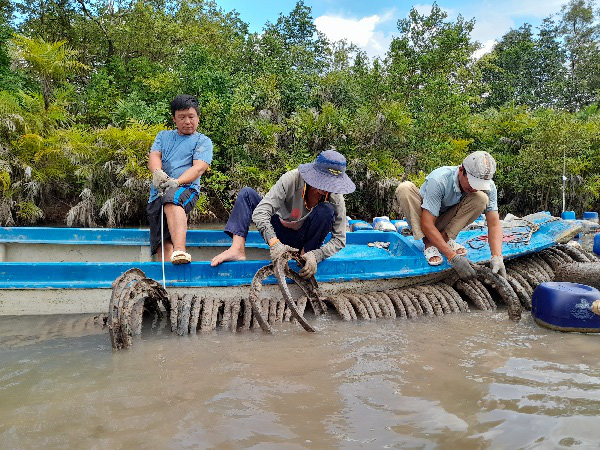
(475, 380)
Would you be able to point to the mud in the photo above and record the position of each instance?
(467, 381)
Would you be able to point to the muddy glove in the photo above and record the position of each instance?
(158, 177)
(170, 183)
(463, 267)
(310, 265)
(497, 266)
(278, 249)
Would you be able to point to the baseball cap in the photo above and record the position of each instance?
(480, 167)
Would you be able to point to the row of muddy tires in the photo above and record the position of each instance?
(134, 295)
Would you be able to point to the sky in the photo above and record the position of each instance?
(371, 25)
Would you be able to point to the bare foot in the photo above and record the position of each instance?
(231, 254)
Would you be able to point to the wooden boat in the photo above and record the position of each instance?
(70, 270)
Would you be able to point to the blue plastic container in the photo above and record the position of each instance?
(590, 215)
(597, 244)
(568, 215)
(360, 225)
(399, 224)
(565, 307)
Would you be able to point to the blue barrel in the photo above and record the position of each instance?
(360, 225)
(597, 244)
(565, 307)
(568, 215)
(590, 215)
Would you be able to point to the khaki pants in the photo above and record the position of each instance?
(451, 221)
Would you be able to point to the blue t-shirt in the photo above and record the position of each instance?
(441, 191)
(179, 151)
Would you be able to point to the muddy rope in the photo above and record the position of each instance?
(280, 269)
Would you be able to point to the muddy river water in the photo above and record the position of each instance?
(466, 380)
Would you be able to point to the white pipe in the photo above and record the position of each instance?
(162, 242)
(564, 178)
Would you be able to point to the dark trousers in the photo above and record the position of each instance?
(309, 236)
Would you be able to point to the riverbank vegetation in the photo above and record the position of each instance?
(85, 87)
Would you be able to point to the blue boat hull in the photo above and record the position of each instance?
(362, 259)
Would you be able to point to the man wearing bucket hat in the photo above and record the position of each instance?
(451, 198)
(297, 213)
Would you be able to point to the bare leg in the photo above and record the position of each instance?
(177, 221)
(168, 251)
(237, 252)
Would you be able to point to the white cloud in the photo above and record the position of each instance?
(361, 32)
(532, 8)
(486, 47)
(489, 27)
(425, 10)
(494, 20)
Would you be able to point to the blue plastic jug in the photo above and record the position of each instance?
(565, 306)
(597, 244)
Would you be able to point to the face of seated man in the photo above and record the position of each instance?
(463, 181)
(186, 121)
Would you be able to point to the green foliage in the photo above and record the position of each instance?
(28, 212)
(580, 30)
(49, 62)
(525, 70)
(83, 95)
(135, 109)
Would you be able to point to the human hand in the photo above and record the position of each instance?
(278, 249)
(463, 267)
(497, 265)
(310, 265)
(158, 177)
(170, 183)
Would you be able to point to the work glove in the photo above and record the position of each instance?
(279, 249)
(158, 177)
(497, 266)
(310, 265)
(170, 183)
(463, 267)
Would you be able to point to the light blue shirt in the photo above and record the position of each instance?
(441, 191)
(179, 151)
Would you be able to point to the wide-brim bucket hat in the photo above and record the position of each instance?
(328, 173)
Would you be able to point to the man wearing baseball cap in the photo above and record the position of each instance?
(451, 198)
(297, 213)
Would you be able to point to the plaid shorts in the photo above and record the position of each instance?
(183, 196)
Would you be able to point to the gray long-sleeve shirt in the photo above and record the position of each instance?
(286, 200)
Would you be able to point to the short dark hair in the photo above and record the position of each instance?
(184, 101)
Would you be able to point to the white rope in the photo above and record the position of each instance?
(162, 241)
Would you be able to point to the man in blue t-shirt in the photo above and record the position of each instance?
(177, 160)
(451, 198)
